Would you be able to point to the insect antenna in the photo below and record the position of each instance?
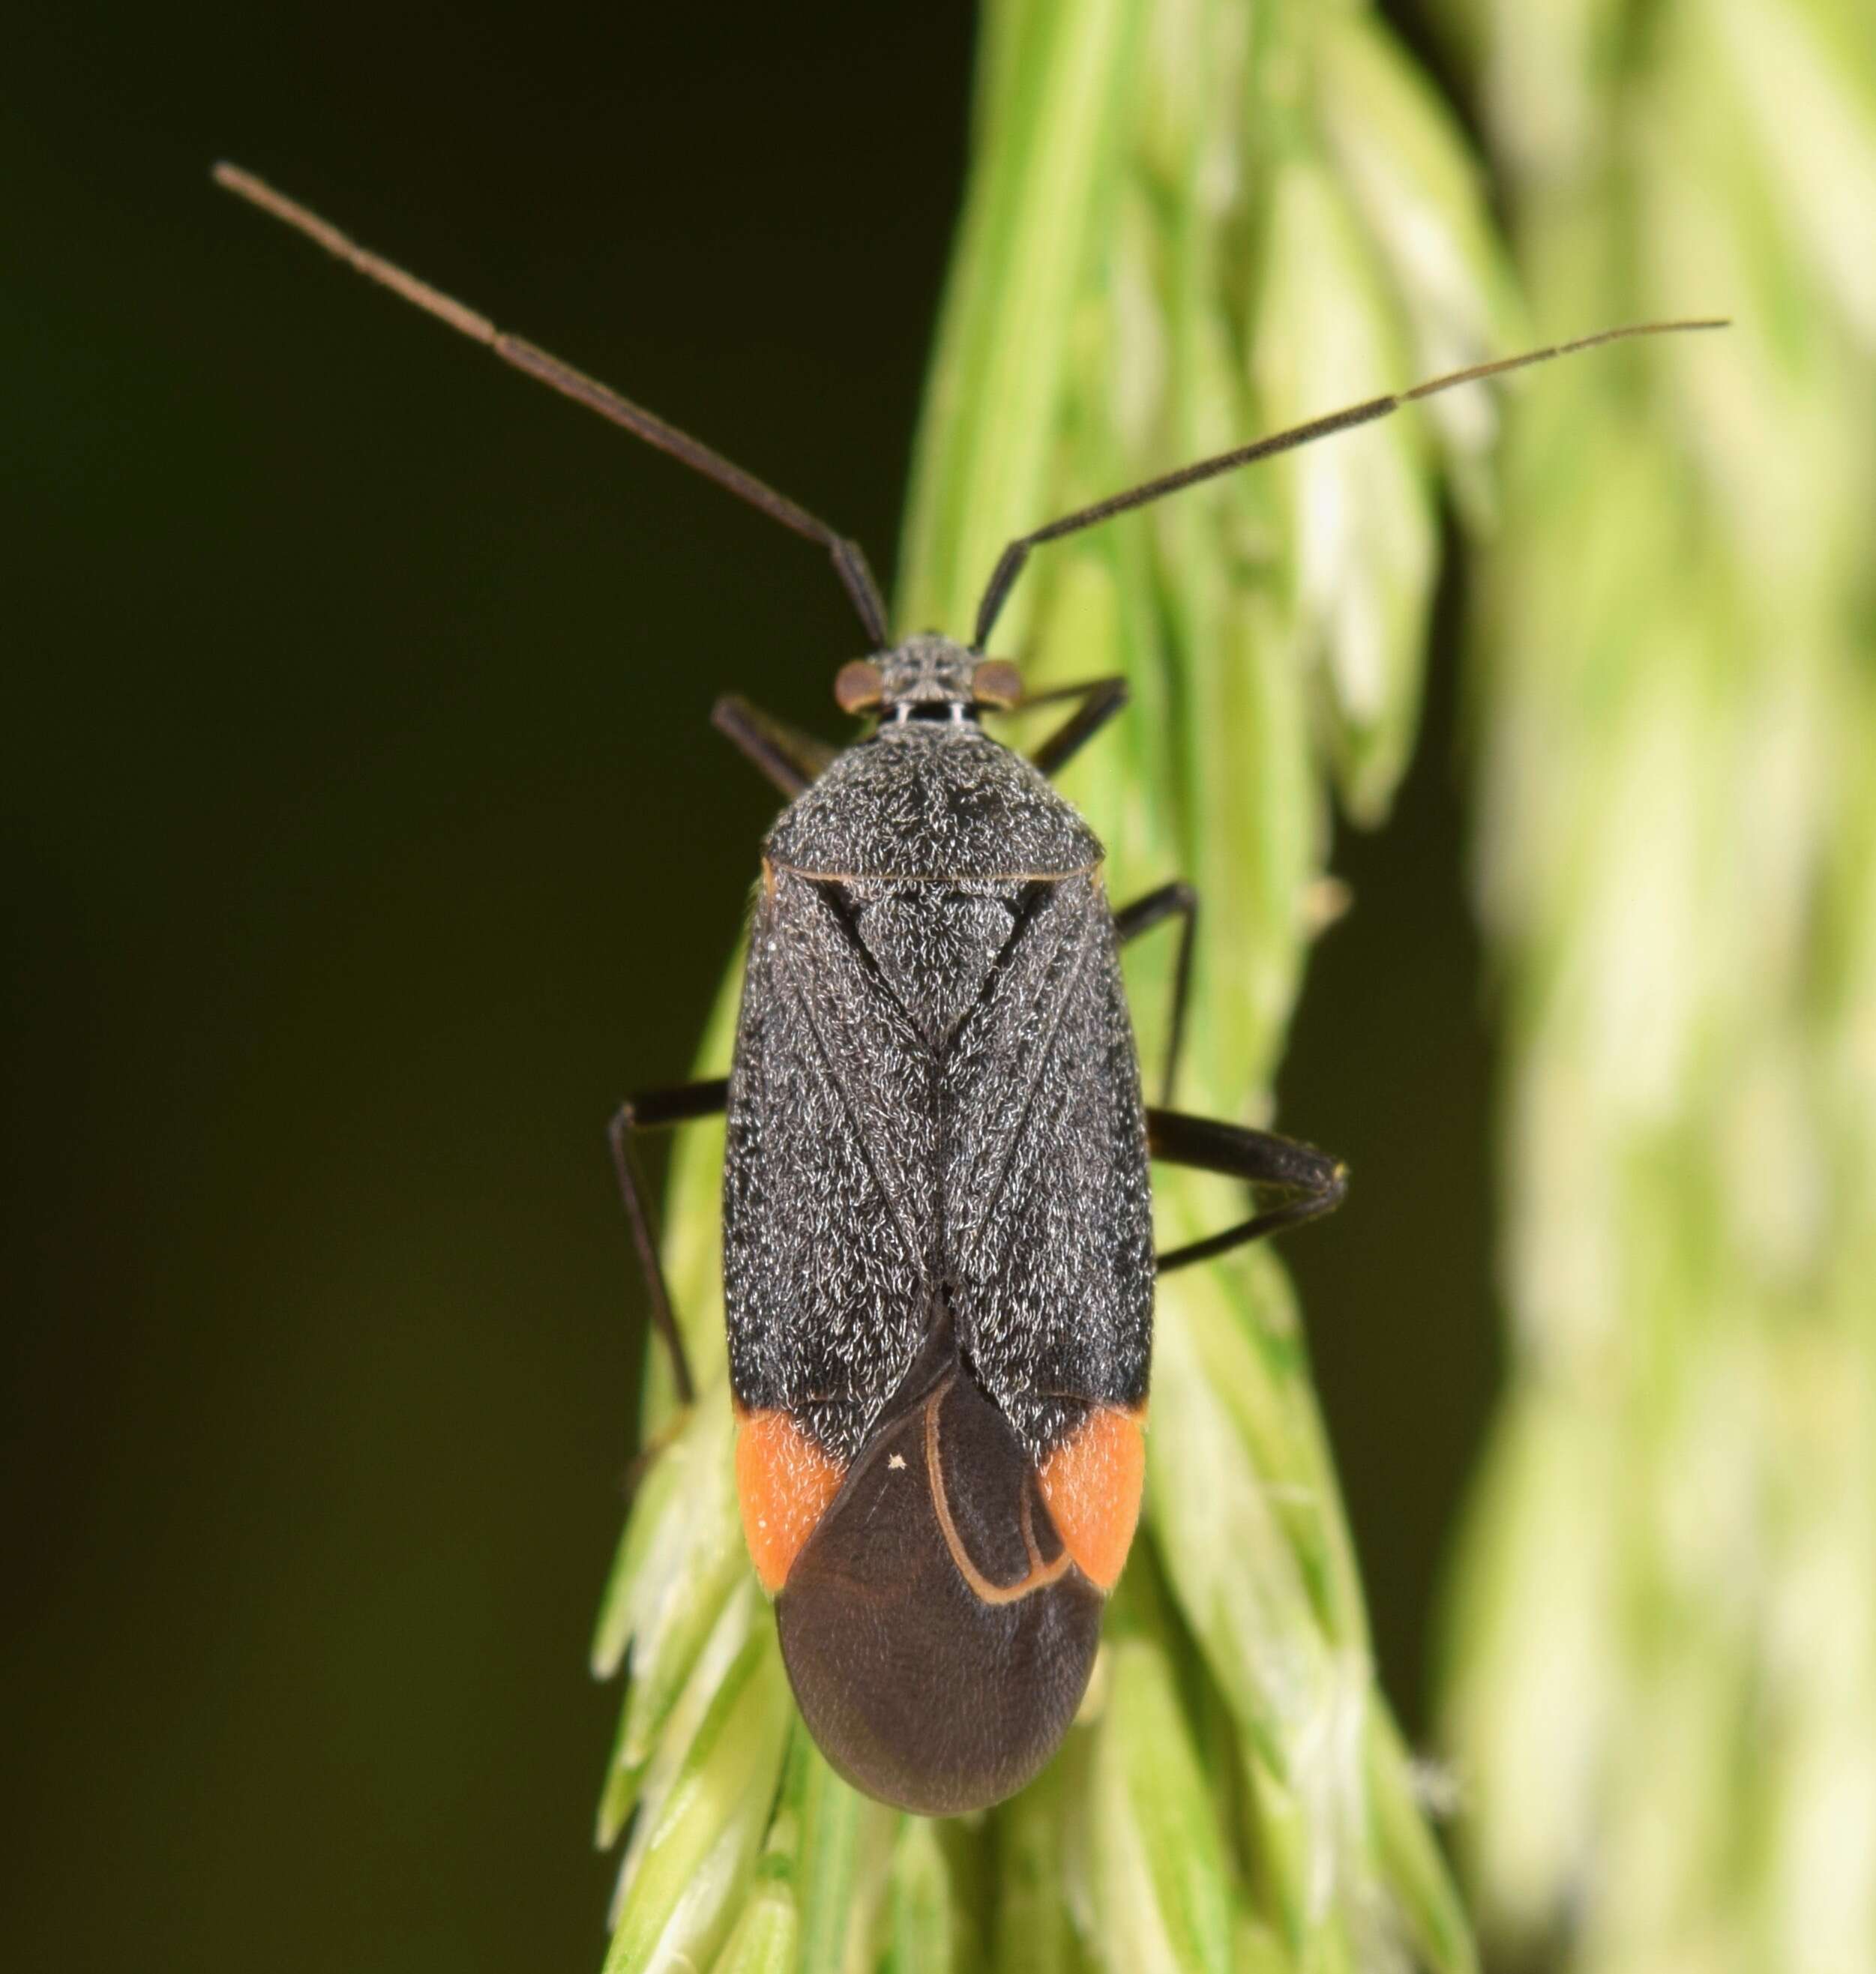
(850, 562)
(1010, 563)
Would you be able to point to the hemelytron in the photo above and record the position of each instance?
(938, 1256)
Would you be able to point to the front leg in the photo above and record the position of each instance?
(1174, 900)
(1099, 700)
(791, 758)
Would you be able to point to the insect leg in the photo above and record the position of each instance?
(1180, 901)
(1315, 1182)
(1101, 699)
(789, 758)
(651, 1111)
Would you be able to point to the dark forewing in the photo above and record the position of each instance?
(830, 1182)
(935, 1100)
(1048, 1241)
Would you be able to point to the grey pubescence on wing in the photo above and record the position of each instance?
(826, 1230)
(1052, 1226)
(935, 1105)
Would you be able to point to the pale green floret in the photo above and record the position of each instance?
(1661, 1686)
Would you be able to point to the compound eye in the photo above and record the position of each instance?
(996, 682)
(858, 686)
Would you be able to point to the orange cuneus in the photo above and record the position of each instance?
(784, 1483)
(1091, 1483)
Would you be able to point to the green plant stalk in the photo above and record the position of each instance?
(1188, 221)
(1662, 1685)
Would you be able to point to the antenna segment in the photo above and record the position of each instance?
(1010, 563)
(850, 560)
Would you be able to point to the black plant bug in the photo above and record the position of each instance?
(938, 1253)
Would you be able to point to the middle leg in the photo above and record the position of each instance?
(651, 1111)
(1313, 1183)
(1174, 900)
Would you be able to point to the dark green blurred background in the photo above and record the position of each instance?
(364, 839)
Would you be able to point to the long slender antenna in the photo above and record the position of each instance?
(850, 562)
(1010, 563)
